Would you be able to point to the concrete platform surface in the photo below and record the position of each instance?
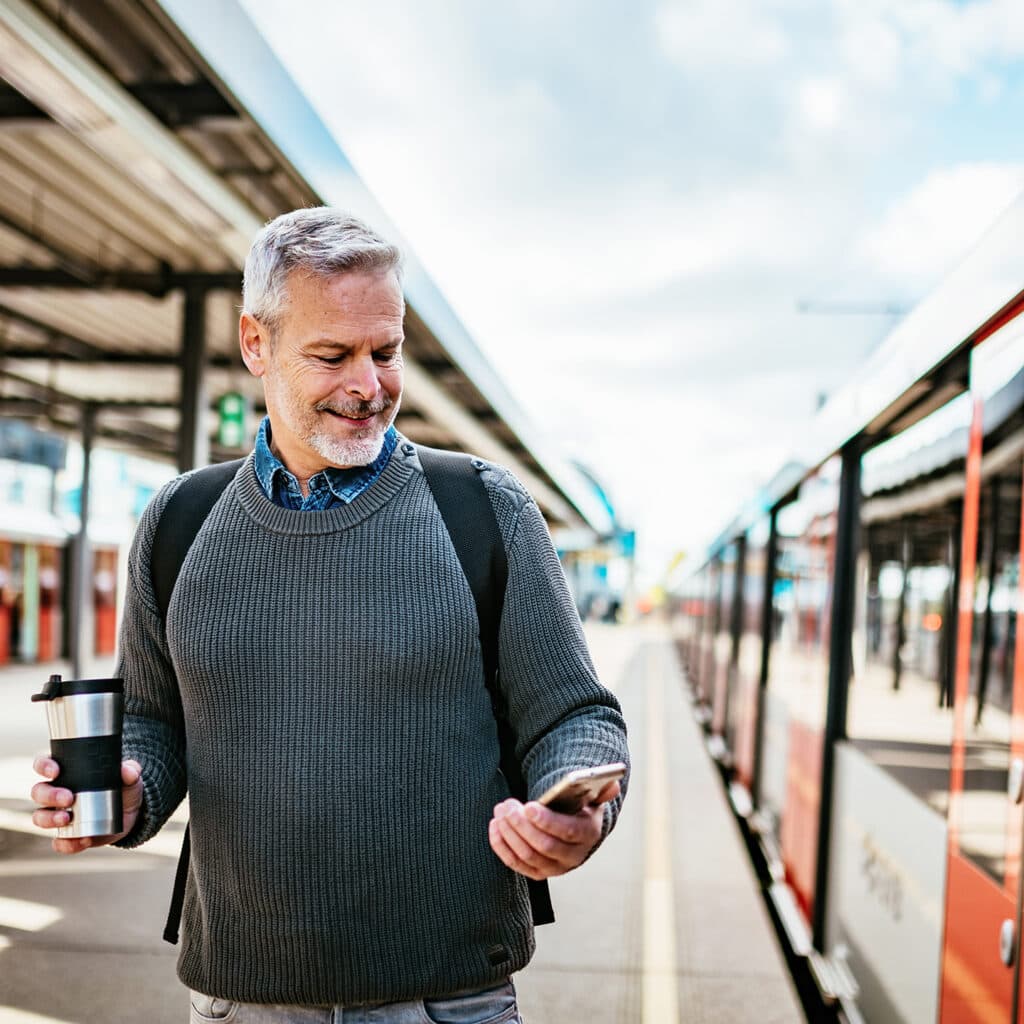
(663, 924)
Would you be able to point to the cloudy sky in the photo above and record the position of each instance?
(629, 203)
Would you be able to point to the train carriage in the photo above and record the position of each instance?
(857, 660)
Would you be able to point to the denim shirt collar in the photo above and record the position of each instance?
(330, 487)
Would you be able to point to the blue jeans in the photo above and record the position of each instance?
(487, 1006)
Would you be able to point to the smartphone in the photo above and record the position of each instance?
(577, 788)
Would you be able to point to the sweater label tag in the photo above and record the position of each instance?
(497, 955)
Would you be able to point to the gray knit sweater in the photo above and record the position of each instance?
(319, 691)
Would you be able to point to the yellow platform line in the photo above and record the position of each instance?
(660, 990)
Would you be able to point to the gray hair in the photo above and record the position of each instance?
(319, 240)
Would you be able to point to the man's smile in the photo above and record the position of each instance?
(354, 420)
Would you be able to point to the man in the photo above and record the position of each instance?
(317, 687)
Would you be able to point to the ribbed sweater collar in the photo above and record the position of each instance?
(259, 507)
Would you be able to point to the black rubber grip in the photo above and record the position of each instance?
(89, 763)
(71, 687)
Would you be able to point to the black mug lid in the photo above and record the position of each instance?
(56, 687)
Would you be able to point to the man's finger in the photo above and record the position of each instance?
(46, 766)
(46, 818)
(547, 846)
(570, 828)
(510, 830)
(72, 845)
(52, 796)
(508, 856)
(610, 791)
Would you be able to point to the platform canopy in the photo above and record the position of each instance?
(142, 145)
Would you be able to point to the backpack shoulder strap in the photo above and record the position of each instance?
(469, 519)
(179, 523)
(468, 515)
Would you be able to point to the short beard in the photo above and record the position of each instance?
(356, 451)
(359, 451)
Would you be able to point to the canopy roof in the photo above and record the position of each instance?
(142, 145)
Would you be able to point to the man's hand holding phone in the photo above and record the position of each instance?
(541, 842)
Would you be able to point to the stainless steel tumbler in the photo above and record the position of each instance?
(85, 718)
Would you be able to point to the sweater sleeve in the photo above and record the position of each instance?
(562, 716)
(154, 731)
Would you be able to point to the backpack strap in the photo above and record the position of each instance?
(179, 523)
(468, 515)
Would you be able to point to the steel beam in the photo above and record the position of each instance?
(193, 438)
(123, 360)
(16, 107)
(178, 104)
(80, 604)
(97, 278)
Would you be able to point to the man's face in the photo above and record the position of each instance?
(332, 374)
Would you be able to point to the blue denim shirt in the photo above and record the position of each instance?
(328, 488)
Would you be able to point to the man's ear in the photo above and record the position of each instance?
(254, 341)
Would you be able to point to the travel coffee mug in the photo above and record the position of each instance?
(85, 717)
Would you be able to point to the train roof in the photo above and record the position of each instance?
(919, 367)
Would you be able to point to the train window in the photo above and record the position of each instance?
(685, 604)
(695, 612)
(795, 698)
(899, 710)
(709, 631)
(722, 657)
(742, 717)
(692, 614)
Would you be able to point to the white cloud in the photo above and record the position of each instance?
(717, 35)
(821, 102)
(624, 203)
(870, 48)
(935, 41)
(926, 232)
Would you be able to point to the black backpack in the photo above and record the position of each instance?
(469, 519)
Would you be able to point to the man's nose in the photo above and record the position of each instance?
(361, 379)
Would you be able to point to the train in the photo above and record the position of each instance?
(853, 642)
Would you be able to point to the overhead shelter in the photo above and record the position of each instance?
(142, 145)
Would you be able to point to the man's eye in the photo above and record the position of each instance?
(331, 360)
(385, 357)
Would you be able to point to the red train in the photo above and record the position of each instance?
(854, 642)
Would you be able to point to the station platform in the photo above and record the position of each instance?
(664, 924)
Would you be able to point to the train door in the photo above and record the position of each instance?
(742, 717)
(712, 625)
(981, 979)
(724, 642)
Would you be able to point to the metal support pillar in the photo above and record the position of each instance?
(193, 435)
(906, 557)
(80, 603)
(840, 666)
